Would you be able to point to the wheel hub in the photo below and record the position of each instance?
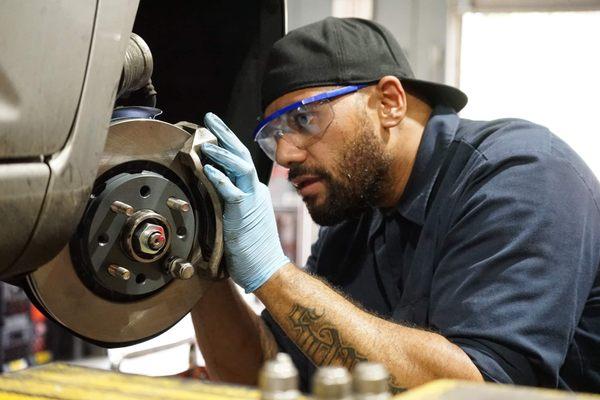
(128, 224)
(148, 244)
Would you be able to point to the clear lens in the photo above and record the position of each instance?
(267, 143)
(309, 119)
(301, 127)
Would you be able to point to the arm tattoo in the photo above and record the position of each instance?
(321, 341)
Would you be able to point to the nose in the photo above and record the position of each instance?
(288, 154)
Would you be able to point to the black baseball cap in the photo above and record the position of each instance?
(345, 51)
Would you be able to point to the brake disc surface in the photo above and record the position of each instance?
(124, 277)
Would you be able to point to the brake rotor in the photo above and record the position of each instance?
(147, 246)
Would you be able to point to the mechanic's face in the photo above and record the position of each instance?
(344, 172)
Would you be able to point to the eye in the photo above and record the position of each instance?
(305, 122)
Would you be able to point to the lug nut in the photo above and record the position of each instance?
(371, 381)
(119, 272)
(180, 268)
(332, 383)
(178, 204)
(119, 207)
(278, 379)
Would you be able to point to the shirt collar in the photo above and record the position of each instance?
(437, 136)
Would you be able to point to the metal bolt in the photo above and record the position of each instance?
(122, 208)
(119, 272)
(278, 379)
(151, 238)
(178, 204)
(156, 241)
(180, 268)
(371, 381)
(333, 383)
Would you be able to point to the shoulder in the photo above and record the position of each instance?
(505, 136)
(532, 149)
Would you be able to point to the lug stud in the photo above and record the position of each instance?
(119, 272)
(178, 204)
(119, 207)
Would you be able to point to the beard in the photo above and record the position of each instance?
(357, 181)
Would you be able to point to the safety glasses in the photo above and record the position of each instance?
(301, 123)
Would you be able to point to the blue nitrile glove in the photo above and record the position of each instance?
(252, 248)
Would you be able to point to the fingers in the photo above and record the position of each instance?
(227, 138)
(241, 171)
(228, 191)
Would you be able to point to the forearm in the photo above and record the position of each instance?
(234, 341)
(331, 330)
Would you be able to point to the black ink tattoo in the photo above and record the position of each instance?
(319, 341)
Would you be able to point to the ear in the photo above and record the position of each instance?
(392, 101)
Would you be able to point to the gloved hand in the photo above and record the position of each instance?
(252, 248)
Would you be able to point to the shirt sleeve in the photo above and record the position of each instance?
(516, 266)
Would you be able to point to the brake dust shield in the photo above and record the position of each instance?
(148, 245)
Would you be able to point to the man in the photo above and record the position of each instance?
(450, 248)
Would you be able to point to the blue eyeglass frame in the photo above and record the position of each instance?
(309, 100)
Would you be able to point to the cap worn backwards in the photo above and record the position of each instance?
(344, 51)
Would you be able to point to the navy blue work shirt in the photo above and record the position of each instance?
(495, 245)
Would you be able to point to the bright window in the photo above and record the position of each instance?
(544, 67)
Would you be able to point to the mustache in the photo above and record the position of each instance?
(298, 170)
